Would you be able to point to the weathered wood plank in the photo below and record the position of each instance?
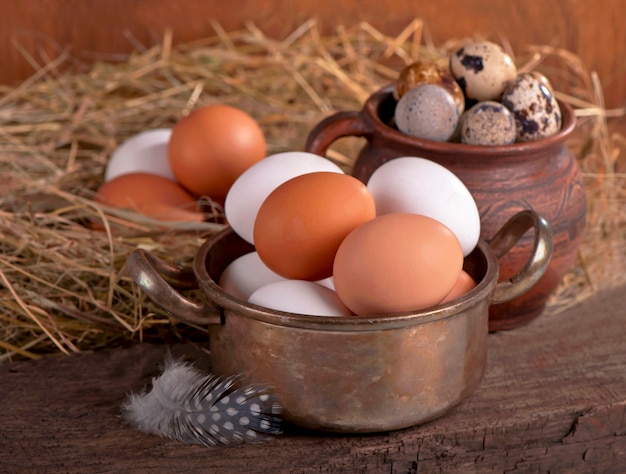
(553, 399)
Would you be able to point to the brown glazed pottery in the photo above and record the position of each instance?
(349, 374)
(542, 175)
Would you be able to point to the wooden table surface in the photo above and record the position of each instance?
(553, 400)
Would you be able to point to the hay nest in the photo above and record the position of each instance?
(64, 288)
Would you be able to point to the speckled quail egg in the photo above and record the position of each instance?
(427, 111)
(488, 123)
(428, 72)
(536, 110)
(482, 69)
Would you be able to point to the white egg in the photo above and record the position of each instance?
(248, 192)
(327, 282)
(246, 274)
(420, 186)
(300, 297)
(145, 152)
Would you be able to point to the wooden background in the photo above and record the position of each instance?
(107, 29)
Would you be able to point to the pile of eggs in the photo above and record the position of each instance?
(162, 173)
(480, 99)
(327, 244)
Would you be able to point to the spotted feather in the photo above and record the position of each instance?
(196, 408)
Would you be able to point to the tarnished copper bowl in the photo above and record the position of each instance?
(350, 374)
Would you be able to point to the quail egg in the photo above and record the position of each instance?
(488, 123)
(483, 70)
(427, 111)
(428, 72)
(536, 110)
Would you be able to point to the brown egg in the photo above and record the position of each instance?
(422, 72)
(303, 221)
(464, 284)
(397, 262)
(151, 195)
(212, 146)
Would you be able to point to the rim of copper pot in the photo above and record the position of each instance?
(457, 307)
(378, 99)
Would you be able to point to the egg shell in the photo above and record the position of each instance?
(535, 109)
(300, 297)
(246, 274)
(427, 111)
(144, 152)
(428, 72)
(482, 69)
(303, 221)
(151, 195)
(395, 263)
(251, 188)
(456, 136)
(488, 123)
(327, 282)
(212, 146)
(420, 186)
(464, 284)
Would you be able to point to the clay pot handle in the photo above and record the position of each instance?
(536, 266)
(333, 127)
(158, 280)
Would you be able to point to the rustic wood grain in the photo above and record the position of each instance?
(553, 400)
(95, 29)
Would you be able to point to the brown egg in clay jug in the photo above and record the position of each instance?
(541, 175)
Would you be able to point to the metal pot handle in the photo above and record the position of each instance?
(161, 282)
(536, 266)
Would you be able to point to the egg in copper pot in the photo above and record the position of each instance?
(397, 262)
(302, 222)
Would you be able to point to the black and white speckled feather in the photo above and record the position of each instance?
(195, 408)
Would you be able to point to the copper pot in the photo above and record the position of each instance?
(349, 374)
(542, 175)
